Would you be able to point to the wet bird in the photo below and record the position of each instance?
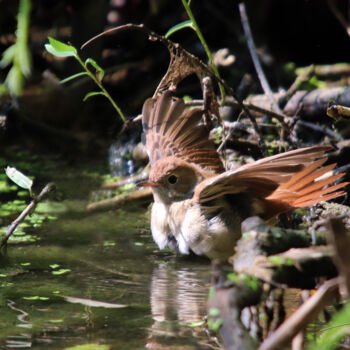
(198, 206)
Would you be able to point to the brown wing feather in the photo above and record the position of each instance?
(172, 131)
(284, 181)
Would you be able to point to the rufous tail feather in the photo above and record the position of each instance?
(307, 187)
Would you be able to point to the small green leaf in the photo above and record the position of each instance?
(26, 264)
(214, 312)
(56, 321)
(197, 324)
(60, 49)
(233, 277)
(8, 56)
(214, 325)
(61, 271)
(93, 93)
(74, 76)
(89, 347)
(18, 178)
(108, 244)
(35, 297)
(54, 266)
(99, 70)
(179, 26)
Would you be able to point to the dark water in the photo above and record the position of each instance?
(106, 257)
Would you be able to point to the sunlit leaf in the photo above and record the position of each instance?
(214, 312)
(18, 178)
(108, 244)
(93, 93)
(54, 266)
(94, 303)
(331, 336)
(60, 49)
(35, 297)
(197, 324)
(61, 271)
(89, 347)
(179, 26)
(214, 325)
(8, 56)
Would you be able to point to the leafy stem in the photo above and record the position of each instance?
(60, 49)
(205, 45)
(97, 81)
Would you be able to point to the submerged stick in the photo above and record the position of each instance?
(47, 189)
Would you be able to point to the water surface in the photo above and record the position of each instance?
(105, 257)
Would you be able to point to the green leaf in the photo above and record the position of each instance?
(56, 321)
(36, 297)
(93, 93)
(99, 70)
(214, 312)
(61, 271)
(74, 76)
(54, 266)
(214, 325)
(179, 26)
(18, 178)
(197, 324)
(15, 80)
(89, 347)
(60, 49)
(8, 56)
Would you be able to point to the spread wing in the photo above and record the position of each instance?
(170, 130)
(284, 179)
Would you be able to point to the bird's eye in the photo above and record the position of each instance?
(172, 179)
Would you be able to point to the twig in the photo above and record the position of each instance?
(252, 49)
(304, 314)
(232, 126)
(326, 131)
(280, 116)
(303, 77)
(47, 189)
(339, 16)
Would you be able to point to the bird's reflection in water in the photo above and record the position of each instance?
(178, 299)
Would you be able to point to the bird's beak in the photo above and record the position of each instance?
(148, 184)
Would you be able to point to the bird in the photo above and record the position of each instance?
(198, 205)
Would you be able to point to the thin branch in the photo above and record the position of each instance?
(303, 77)
(339, 16)
(47, 189)
(326, 131)
(252, 49)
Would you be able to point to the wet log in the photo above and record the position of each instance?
(282, 257)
